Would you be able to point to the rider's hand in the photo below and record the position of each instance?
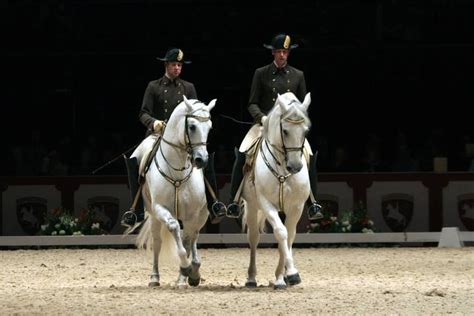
(263, 119)
(157, 126)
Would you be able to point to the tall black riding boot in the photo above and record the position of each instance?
(134, 216)
(233, 209)
(216, 208)
(314, 209)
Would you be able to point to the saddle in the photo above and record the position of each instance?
(148, 157)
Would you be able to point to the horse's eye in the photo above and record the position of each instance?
(192, 128)
(285, 132)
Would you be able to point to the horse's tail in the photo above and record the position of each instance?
(168, 252)
(144, 238)
(244, 218)
(261, 222)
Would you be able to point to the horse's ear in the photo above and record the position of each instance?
(211, 105)
(281, 102)
(189, 106)
(307, 101)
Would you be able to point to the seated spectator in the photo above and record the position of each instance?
(341, 161)
(404, 162)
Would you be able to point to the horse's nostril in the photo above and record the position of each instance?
(293, 169)
(200, 162)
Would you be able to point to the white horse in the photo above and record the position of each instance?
(174, 189)
(280, 183)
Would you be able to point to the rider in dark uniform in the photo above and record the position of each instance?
(269, 81)
(160, 98)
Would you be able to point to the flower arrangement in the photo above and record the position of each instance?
(59, 221)
(355, 221)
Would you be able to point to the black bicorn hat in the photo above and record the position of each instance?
(281, 41)
(174, 55)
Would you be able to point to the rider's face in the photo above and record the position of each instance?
(173, 69)
(280, 56)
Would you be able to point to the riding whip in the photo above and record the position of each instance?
(236, 121)
(114, 159)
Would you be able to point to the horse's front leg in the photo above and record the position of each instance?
(290, 222)
(165, 217)
(190, 243)
(281, 235)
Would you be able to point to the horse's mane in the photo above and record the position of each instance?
(294, 113)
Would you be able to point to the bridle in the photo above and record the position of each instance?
(281, 178)
(188, 145)
(188, 148)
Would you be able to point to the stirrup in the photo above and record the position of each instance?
(130, 221)
(314, 211)
(217, 212)
(234, 210)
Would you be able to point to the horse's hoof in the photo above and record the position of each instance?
(251, 284)
(194, 282)
(293, 279)
(154, 284)
(279, 286)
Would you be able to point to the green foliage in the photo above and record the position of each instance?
(59, 221)
(355, 221)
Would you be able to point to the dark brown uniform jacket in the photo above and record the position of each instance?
(161, 97)
(268, 82)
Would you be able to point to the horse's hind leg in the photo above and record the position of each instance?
(155, 230)
(253, 236)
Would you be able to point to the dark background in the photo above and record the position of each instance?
(383, 74)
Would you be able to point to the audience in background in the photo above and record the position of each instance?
(80, 156)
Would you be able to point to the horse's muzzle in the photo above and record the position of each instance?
(294, 167)
(199, 162)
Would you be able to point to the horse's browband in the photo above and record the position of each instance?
(200, 118)
(294, 121)
(197, 117)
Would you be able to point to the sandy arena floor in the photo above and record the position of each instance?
(334, 281)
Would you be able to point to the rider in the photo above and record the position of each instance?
(160, 99)
(269, 81)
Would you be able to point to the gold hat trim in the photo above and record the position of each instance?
(287, 42)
